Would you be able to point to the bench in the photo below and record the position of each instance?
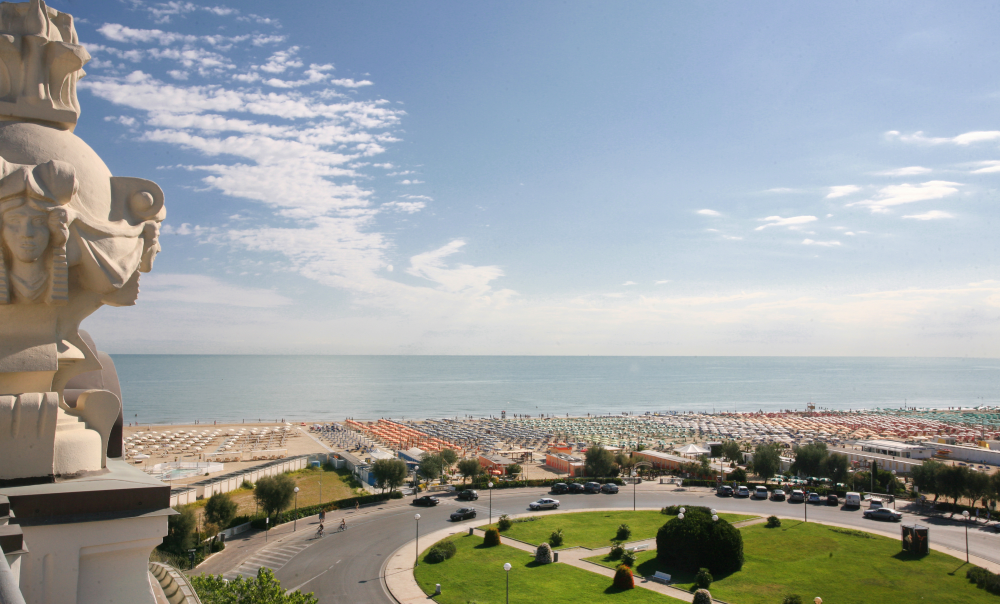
(661, 577)
(638, 548)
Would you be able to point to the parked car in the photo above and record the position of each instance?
(468, 495)
(832, 499)
(609, 487)
(814, 498)
(724, 491)
(426, 500)
(874, 504)
(592, 487)
(545, 503)
(760, 493)
(777, 495)
(559, 488)
(463, 514)
(575, 487)
(884, 514)
(742, 491)
(797, 496)
(853, 500)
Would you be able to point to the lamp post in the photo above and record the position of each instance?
(506, 568)
(267, 526)
(965, 514)
(680, 515)
(715, 516)
(295, 521)
(417, 518)
(490, 485)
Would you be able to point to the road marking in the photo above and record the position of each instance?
(273, 558)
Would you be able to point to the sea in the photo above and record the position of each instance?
(165, 389)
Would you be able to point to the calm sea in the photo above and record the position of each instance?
(182, 388)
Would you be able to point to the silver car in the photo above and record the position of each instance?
(545, 503)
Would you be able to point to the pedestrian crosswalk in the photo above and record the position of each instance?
(273, 557)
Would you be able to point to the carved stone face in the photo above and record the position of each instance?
(26, 233)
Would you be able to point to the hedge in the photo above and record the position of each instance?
(984, 579)
(303, 512)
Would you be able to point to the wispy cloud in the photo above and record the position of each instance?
(820, 243)
(842, 191)
(932, 215)
(792, 222)
(707, 212)
(969, 138)
(203, 289)
(907, 171)
(987, 167)
(662, 281)
(629, 283)
(406, 207)
(782, 190)
(895, 195)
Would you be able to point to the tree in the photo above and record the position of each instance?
(264, 589)
(512, 470)
(766, 461)
(469, 468)
(836, 467)
(978, 487)
(389, 473)
(448, 458)
(598, 461)
(952, 481)
(220, 510)
(705, 467)
(180, 532)
(697, 541)
(625, 462)
(737, 475)
(731, 451)
(810, 460)
(925, 477)
(431, 466)
(274, 493)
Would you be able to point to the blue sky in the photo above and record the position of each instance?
(541, 178)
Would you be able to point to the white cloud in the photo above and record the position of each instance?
(177, 74)
(907, 171)
(987, 167)
(968, 138)
(463, 278)
(282, 60)
(629, 283)
(842, 191)
(662, 281)
(792, 222)
(411, 182)
(821, 243)
(932, 215)
(406, 207)
(707, 212)
(894, 195)
(203, 289)
(782, 190)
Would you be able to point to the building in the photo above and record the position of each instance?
(493, 464)
(659, 460)
(893, 448)
(966, 453)
(565, 464)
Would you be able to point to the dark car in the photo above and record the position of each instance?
(426, 500)
(575, 487)
(610, 487)
(832, 500)
(468, 495)
(724, 491)
(463, 514)
(883, 514)
(559, 488)
(592, 487)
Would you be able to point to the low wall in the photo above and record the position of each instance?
(233, 480)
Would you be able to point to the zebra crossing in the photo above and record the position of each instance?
(273, 557)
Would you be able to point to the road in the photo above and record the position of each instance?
(347, 566)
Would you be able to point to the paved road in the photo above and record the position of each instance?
(347, 566)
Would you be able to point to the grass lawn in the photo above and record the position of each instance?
(475, 574)
(308, 481)
(594, 529)
(839, 565)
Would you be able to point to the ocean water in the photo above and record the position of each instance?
(184, 388)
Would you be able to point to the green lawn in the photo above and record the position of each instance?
(594, 529)
(843, 567)
(475, 574)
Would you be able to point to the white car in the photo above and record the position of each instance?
(544, 503)
(760, 493)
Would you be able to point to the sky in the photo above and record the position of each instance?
(643, 178)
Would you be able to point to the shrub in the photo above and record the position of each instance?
(703, 579)
(628, 559)
(220, 509)
(984, 579)
(738, 475)
(624, 532)
(623, 578)
(699, 542)
(492, 537)
(556, 538)
(792, 599)
(773, 522)
(247, 485)
(671, 510)
(441, 552)
(702, 597)
(218, 545)
(543, 555)
(617, 551)
(504, 523)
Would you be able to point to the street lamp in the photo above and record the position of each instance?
(680, 515)
(295, 521)
(506, 568)
(715, 516)
(417, 518)
(965, 514)
(490, 485)
(267, 526)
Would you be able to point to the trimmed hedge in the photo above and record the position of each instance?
(623, 578)
(441, 552)
(699, 542)
(984, 579)
(492, 538)
(702, 597)
(304, 512)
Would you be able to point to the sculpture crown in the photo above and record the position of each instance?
(40, 62)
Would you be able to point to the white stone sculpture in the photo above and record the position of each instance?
(72, 238)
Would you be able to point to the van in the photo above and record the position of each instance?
(853, 500)
(875, 504)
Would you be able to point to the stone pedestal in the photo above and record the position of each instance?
(90, 538)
